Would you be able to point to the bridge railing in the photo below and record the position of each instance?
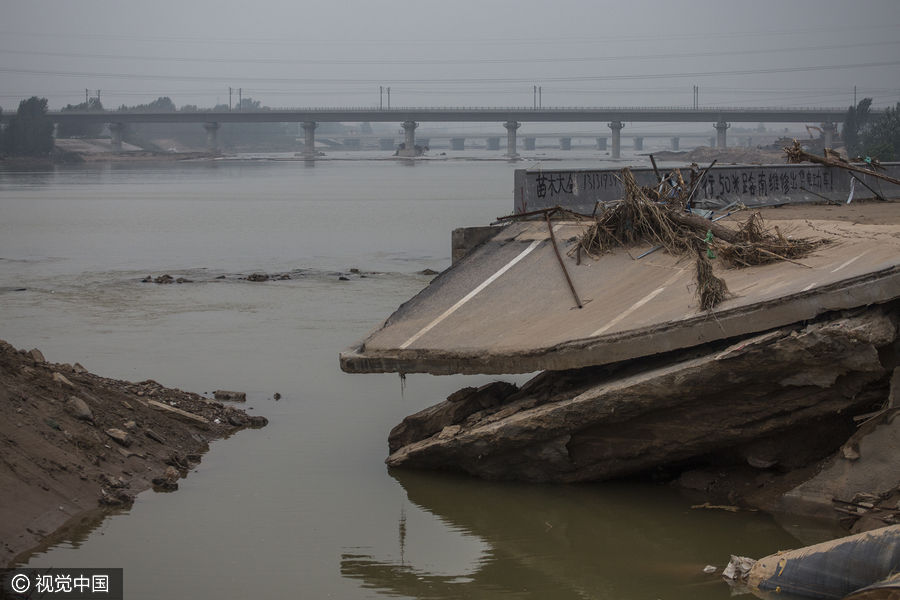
(556, 108)
(500, 110)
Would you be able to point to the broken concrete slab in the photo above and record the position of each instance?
(603, 422)
(867, 464)
(458, 406)
(506, 307)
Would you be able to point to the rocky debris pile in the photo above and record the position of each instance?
(71, 440)
(165, 279)
(761, 412)
(262, 277)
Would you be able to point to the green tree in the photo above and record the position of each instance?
(249, 105)
(161, 104)
(86, 130)
(30, 132)
(881, 138)
(856, 119)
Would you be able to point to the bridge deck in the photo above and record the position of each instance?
(506, 308)
(572, 115)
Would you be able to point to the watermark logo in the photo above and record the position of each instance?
(61, 584)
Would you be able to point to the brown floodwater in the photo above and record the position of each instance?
(306, 507)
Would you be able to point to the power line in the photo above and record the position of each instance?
(457, 41)
(444, 61)
(452, 80)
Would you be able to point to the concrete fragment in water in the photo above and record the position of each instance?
(867, 464)
(605, 422)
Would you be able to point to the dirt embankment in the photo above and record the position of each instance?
(705, 154)
(71, 442)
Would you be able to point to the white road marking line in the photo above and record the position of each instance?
(471, 294)
(850, 262)
(639, 303)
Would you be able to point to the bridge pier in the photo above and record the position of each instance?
(721, 128)
(675, 142)
(601, 143)
(638, 143)
(493, 143)
(115, 132)
(828, 131)
(309, 140)
(616, 128)
(530, 142)
(458, 143)
(409, 139)
(212, 136)
(511, 127)
(565, 143)
(386, 143)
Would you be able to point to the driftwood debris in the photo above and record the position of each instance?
(796, 154)
(177, 412)
(658, 216)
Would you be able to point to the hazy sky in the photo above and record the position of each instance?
(452, 52)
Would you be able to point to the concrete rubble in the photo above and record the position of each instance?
(768, 400)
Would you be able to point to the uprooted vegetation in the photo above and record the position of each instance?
(661, 216)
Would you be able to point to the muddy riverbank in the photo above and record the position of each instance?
(76, 444)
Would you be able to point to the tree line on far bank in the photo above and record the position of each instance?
(869, 136)
(29, 136)
(30, 131)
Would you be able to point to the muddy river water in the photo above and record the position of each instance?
(305, 507)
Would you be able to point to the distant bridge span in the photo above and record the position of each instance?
(511, 118)
(559, 115)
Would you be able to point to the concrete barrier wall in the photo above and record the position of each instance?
(580, 189)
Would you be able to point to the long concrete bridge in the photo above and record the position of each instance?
(511, 118)
(564, 140)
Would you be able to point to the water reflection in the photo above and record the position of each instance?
(592, 541)
(72, 533)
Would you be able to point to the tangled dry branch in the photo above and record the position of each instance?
(657, 216)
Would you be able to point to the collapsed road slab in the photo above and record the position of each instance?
(507, 308)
